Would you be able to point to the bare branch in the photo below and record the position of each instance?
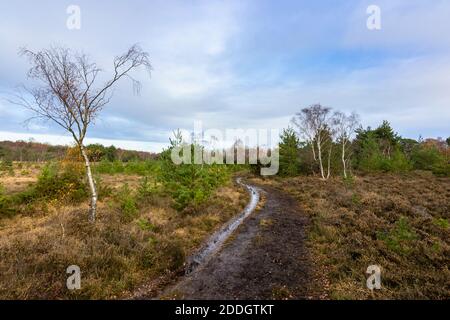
(67, 93)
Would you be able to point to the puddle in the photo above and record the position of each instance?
(219, 237)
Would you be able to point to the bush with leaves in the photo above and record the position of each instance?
(441, 169)
(7, 166)
(380, 150)
(127, 203)
(146, 190)
(289, 153)
(57, 182)
(5, 204)
(427, 158)
(189, 185)
(400, 238)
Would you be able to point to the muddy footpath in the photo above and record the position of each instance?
(264, 258)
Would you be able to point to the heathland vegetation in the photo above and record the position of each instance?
(389, 207)
(148, 221)
(380, 199)
(370, 195)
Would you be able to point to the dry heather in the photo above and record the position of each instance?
(399, 222)
(115, 254)
(21, 177)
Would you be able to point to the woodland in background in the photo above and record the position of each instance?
(366, 150)
(41, 152)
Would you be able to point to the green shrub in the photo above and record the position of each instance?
(103, 190)
(289, 153)
(146, 190)
(400, 237)
(57, 182)
(5, 204)
(109, 167)
(127, 203)
(381, 150)
(348, 181)
(441, 169)
(442, 222)
(190, 185)
(398, 162)
(145, 225)
(6, 165)
(371, 158)
(426, 158)
(140, 167)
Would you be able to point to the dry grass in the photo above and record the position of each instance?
(399, 222)
(115, 256)
(22, 176)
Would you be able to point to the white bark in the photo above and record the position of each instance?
(92, 187)
(319, 149)
(344, 164)
(313, 150)
(329, 160)
(70, 95)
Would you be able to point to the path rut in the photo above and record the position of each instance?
(266, 258)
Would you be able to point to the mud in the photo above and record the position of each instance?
(216, 241)
(266, 258)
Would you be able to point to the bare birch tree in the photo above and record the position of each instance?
(69, 92)
(315, 126)
(345, 127)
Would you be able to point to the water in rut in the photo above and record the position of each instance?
(266, 259)
(218, 238)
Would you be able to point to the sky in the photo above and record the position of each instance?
(240, 64)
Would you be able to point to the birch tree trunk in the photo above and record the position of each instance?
(319, 150)
(344, 163)
(329, 161)
(92, 187)
(313, 150)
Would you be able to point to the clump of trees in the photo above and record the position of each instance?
(322, 130)
(344, 127)
(328, 142)
(41, 152)
(380, 150)
(30, 151)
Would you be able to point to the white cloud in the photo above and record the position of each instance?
(247, 66)
(408, 25)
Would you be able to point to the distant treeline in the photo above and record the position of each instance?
(40, 152)
(328, 144)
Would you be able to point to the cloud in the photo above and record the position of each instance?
(253, 64)
(415, 25)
